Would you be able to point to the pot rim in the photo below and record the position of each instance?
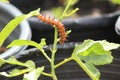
(24, 29)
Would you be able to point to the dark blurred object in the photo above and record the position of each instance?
(117, 26)
(29, 5)
(86, 6)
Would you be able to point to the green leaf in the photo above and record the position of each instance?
(57, 11)
(30, 65)
(96, 52)
(27, 42)
(95, 49)
(12, 60)
(108, 46)
(93, 69)
(31, 43)
(96, 55)
(68, 8)
(4, 1)
(2, 62)
(34, 74)
(93, 53)
(71, 12)
(116, 1)
(13, 24)
(43, 42)
(83, 47)
(15, 72)
(22, 42)
(97, 59)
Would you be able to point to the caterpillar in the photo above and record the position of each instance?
(52, 21)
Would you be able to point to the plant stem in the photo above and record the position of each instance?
(53, 55)
(46, 74)
(55, 43)
(63, 62)
(46, 56)
(55, 39)
(66, 8)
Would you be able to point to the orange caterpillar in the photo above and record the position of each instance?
(58, 24)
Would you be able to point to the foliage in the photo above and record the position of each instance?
(58, 11)
(4, 1)
(13, 24)
(116, 1)
(88, 55)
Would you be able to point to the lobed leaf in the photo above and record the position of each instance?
(96, 52)
(93, 53)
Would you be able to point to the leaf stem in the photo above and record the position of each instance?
(63, 62)
(82, 65)
(46, 74)
(46, 56)
(66, 8)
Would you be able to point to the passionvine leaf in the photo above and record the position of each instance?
(93, 53)
(96, 52)
(96, 55)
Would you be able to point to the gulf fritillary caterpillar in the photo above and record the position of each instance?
(52, 21)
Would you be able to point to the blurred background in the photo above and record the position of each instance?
(86, 6)
(95, 20)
